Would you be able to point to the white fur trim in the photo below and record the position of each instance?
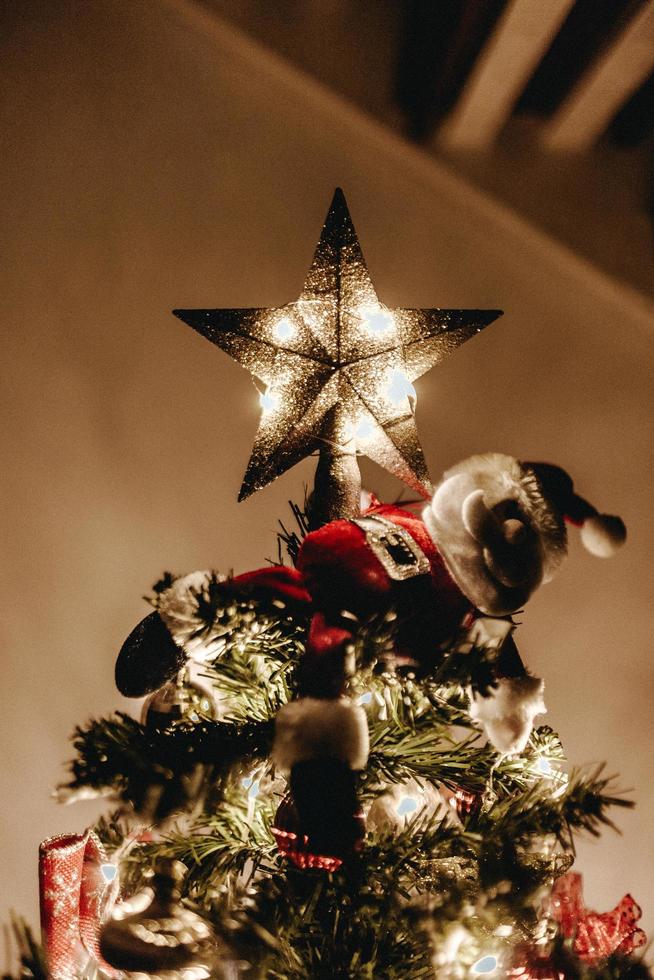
(500, 477)
(313, 728)
(179, 606)
(482, 553)
(508, 711)
(602, 535)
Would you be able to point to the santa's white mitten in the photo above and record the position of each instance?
(507, 712)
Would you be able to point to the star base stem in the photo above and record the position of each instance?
(337, 484)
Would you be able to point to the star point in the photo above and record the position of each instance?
(336, 351)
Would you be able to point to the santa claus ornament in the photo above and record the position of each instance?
(494, 530)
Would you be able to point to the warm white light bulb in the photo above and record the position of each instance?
(400, 389)
(359, 429)
(109, 871)
(285, 329)
(408, 804)
(364, 429)
(485, 966)
(269, 400)
(252, 786)
(377, 321)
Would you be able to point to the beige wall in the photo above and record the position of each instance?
(151, 161)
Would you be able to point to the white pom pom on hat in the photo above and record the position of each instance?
(601, 534)
(316, 728)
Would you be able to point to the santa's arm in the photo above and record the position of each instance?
(507, 710)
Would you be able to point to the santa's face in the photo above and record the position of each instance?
(491, 524)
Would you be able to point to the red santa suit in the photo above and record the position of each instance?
(359, 568)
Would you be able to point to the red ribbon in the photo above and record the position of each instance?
(596, 935)
(536, 969)
(73, 895)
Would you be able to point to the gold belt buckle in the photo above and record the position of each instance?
(394, 548)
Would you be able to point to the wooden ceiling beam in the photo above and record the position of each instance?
(505, 65)
(591, 105)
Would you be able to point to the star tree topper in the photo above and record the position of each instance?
(336, 364)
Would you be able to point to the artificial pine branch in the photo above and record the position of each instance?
(256, 671)
(121, 755)
(582, 807)
(162, 584)
(290, 541)
(27, 950)
(337, 926)
(232, 837)
(414, 736)
(468, 666)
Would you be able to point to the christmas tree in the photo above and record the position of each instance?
(336, 772)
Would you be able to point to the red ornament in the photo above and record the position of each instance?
(466, 803)
(596, 935)
(74, 894)
(534, 963)
(536, 968)
(294, 844)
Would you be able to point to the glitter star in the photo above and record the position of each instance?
(337, 353)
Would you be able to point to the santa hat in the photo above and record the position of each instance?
(601, 534)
